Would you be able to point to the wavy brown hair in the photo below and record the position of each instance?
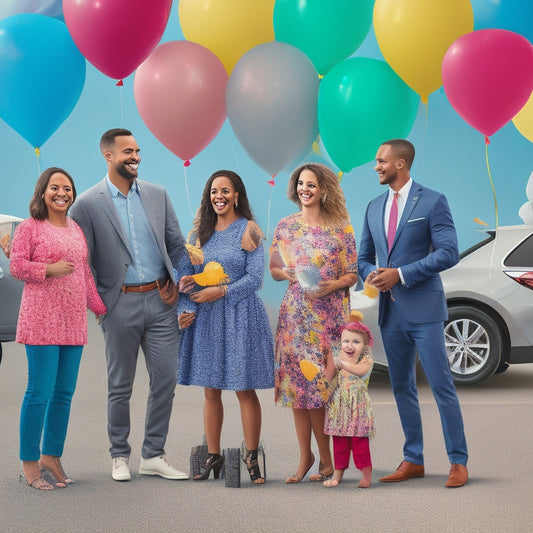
(38, 208)
(206, 218)
(333, 209)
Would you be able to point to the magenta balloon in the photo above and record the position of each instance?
(180, 94)
(116, 36)
(488, 77)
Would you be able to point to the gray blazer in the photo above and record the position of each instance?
(109, 249)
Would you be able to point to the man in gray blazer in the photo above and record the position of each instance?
(135, 241)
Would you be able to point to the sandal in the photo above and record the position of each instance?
(295, 478)
(52, 471)
(321, 476)
(52, 480)
(250, 459)
(38, 483)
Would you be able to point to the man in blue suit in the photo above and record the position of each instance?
(408, 238)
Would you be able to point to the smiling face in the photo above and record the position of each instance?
(352, 344)
(223, 196)
(123, 157)
(58, 196)
(308, 189)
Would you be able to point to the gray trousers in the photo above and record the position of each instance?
(140, 320)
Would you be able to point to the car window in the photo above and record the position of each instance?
(7, 230)
(522, 255)
(479, 245)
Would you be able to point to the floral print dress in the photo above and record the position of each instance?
(348, 411)
(305, 324)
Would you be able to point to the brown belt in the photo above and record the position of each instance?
(147, 287)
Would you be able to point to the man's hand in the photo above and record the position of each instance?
(168, 292)
(384, 278)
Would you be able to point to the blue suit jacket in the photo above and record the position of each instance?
(425, 244)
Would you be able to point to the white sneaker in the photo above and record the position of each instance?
(121, 470)
(158, 466)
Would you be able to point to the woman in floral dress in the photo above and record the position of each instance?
(314, 249)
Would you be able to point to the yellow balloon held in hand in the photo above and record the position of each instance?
(370, 291)
(414, 35)
(213, 274)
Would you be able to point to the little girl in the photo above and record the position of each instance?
(349, 415)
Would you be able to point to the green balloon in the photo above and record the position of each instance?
(362, 103)
(327, 31)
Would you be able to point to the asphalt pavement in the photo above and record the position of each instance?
(497, 498)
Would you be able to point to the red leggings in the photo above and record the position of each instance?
(359, 448)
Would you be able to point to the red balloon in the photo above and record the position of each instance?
(488, 77)
(116, 36)
(180, 94)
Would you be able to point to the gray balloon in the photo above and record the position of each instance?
(271, 101)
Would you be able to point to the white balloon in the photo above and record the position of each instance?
(50, 8)
(526, 213)
(529, 187)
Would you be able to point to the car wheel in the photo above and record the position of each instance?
(473, 344)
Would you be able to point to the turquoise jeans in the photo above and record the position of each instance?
(52, 376)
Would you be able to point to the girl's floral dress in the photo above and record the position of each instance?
(306, 324)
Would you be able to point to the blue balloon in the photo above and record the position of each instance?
(512, 15)
(42, 75)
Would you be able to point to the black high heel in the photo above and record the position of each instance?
(250, 459)
(213, 462)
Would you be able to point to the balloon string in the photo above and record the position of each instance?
(491, 182)
(121, 106)
(38, 154)
(271, 183)
(487, 142)
(187, 190)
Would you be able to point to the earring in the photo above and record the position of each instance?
(236, 204)
(323, 198)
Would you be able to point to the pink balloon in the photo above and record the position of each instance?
(116, 36)
(180, 94)
(488, 77)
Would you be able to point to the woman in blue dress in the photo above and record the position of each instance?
(226, 341)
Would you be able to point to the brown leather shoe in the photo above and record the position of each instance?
(458, 476)
(405, 471)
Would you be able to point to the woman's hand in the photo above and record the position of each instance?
(186, 319)
(283, 273)
(60, 268)
(327, 286)
(209, 294)
(186, 284)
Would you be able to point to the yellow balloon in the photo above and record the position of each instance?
(309, 369)
(523, 120)
(229, 28)
(213, 274)
(414, 35)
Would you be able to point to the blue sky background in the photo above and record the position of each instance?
(450, 158)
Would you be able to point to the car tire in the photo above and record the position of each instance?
(474, 344)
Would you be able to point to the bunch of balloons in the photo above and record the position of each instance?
(280, 70)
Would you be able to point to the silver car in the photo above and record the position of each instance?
(10, 288)
(490, 306)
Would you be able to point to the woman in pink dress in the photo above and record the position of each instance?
(49, 253)
(314, 249)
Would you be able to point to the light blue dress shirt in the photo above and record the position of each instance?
(147, 265)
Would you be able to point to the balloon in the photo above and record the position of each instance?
(523, 120)
(51, 8)
(413, 36)
(42, 75)
(327, 32)
(114, 35)
(512, 15)
(229, 28)
(271, 101)
(362, 103)
(179, 91)
(488, 77)
(213, 274)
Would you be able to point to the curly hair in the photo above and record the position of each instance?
(333, 208)
(206, 218)
(38, 209)
(359, 327)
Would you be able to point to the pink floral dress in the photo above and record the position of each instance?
(305, 324)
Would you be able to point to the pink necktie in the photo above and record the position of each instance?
(393, 220)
